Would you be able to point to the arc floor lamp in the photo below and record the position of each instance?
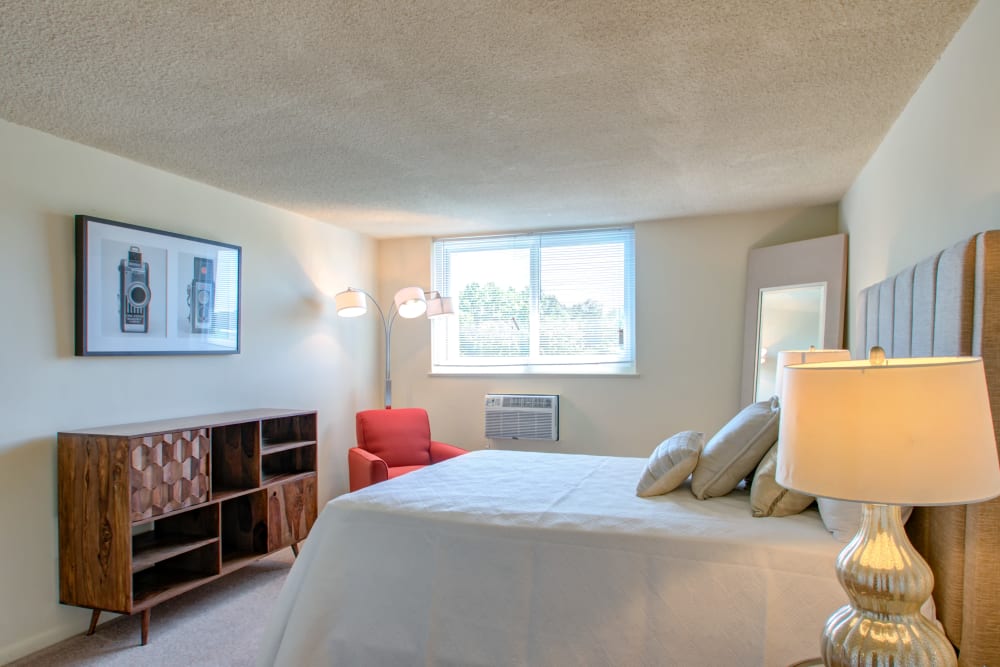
(408, 303)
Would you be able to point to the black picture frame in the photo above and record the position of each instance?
(143, 291)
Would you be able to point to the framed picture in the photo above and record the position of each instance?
(143, 291)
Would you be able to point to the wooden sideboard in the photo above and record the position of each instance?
(148, 511)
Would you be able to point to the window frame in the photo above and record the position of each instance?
(445, 331)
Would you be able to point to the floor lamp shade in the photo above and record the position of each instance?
(350, 303)
(410, 302)
(440, 306)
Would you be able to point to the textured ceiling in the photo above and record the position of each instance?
(452, 116)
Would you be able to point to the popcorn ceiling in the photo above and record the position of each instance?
(433, 117)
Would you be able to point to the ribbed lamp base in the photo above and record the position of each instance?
(887, 581)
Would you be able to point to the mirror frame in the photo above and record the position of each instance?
(817, 260)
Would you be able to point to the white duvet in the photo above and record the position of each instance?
(512, 558)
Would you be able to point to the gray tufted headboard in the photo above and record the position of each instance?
(949, 305)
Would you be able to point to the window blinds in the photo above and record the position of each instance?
(551, 298)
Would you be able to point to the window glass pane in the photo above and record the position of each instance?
(547, 299)
(582, 301)
(492, 288)
(226, 310)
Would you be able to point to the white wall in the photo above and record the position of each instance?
(690, 282)
(295, 354)
(935, 179)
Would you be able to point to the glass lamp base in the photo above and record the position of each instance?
(887, 581)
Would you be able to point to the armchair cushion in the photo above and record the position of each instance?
(400, 437)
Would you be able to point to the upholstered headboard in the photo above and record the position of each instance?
(948, 305)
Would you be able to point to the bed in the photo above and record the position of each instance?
(515, 558)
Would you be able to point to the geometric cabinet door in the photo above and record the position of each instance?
(169, 471)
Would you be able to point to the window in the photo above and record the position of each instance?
(544, 302)
(226, 307)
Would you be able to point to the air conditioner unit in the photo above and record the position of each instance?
(522, 416)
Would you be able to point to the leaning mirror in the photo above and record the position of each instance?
(794, 299)
(790, 317)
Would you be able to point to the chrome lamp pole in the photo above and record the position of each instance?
(408, 303)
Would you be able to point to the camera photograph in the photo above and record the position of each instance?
(145, 291)
(134, 279)
(207, 284)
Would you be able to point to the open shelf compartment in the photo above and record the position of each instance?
(173, 535)
(287, 462)
(170, 577)
(235, 453)
(244, 528)
(292, 431)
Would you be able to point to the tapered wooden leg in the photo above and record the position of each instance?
(145, 626)
(295, 549)
(94, 615)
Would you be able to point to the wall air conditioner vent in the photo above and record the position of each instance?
(522, 416)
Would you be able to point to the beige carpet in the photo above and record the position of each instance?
(218, 624)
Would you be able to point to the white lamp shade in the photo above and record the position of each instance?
(350, 303)
(410, 302)
(440, 306)
(811, 356)
(911, 432)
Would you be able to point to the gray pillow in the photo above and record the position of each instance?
(670, 464)
(843, 517)
(767, 497)
(735, 451)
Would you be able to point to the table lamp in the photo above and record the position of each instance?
(887, 433)
(810, 356)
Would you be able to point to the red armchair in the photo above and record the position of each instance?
(391, 443)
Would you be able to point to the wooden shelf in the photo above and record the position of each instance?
(285, 477)
(275, 447)
(237, 559)
(157, 585)
(173, 513)
(151, 548)
(219, 495)
(199, 421)
(178, 503)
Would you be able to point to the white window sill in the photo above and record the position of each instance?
(594, 370)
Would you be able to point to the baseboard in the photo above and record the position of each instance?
(25, 647)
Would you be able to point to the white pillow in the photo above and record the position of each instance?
(670, 464)
(735, 451)
(843, 518)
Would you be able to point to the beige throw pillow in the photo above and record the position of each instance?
(735, 451)
(670, 464)
(767, 497)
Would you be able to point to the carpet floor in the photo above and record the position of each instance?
(217, 624)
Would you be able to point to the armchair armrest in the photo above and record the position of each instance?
(441, 451)
(364, 468)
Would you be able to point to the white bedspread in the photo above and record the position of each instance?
(512, 558)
